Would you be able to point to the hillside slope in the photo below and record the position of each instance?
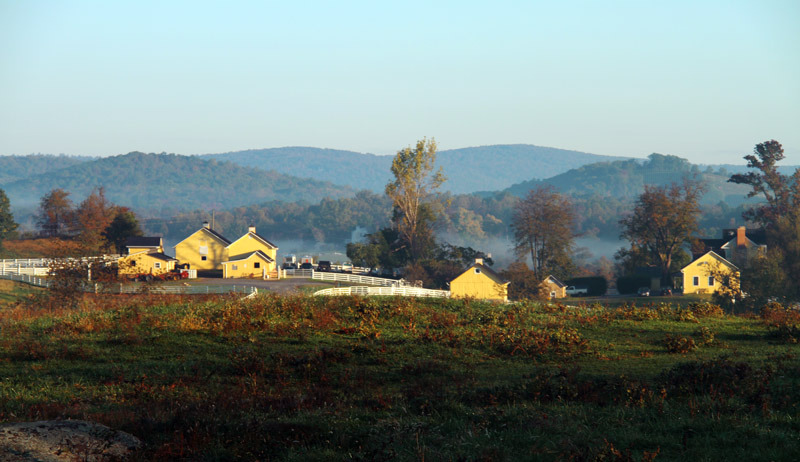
(625, 179)
(13, 168)
(467, 170)
(169, 182)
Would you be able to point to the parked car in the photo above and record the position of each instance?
(643, 292)
(576, 291)
(324, 265)
(307, 265)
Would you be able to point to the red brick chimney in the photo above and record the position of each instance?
(740, 236)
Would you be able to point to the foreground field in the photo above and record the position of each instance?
(302, 378)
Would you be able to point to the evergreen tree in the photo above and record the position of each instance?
(7, 224)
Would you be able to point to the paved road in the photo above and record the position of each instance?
(283, 286)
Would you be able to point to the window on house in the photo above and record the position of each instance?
(257, 264)
(235, 267)
(157, 265)
(696, 280)
(711, 280)
(204, 258)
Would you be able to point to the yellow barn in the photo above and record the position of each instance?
(247, 245)
(205, 249)
(249, 265)
(702, 276)
(479, 282)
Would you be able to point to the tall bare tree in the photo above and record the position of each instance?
(543, 228)
(663, 219)
(780, 215)
(414, 195)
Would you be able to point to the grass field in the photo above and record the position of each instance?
(342, 378)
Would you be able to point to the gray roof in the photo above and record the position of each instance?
(143, 241)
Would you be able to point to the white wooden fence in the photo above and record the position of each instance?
(357, 279)
(387, 291)
(26, 278)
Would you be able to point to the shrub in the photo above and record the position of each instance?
(679, 344)
(784, 323)
(705, 336)
(706, 310)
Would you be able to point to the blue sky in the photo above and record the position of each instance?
(699, 79)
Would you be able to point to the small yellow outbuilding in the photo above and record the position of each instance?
(479, 282)
(145, 262)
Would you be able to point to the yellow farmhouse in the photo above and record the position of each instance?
(702, 275)
(205, 249)
(145, 256)
(252, 255)
(480, 282)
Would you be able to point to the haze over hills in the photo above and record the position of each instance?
(467, 169)
(168, 182)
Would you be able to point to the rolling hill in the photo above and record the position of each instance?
(467, 170)
(14, 168)
(169, 182)
(625, 179)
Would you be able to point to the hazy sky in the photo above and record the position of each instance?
(700, 79)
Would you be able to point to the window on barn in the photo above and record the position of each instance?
(257, 264)
(711, 280)
(157, 265)
(204, 258)
(235, 267)
(477, 271)
(696, 280)
(203, 250)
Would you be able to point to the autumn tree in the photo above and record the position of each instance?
(123, 226)
(414, 196)
(662, 222)
(779, 215)
(92, 217)
(7, 223)
(56, 214)
(543, 229)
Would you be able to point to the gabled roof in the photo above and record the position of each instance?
(728, 245)
(716, 257)
(555, 281)
(210, 231)
(255, 236)
(143, 241)
(161, 256)
(490, 273)
(758, 236)
(247, 255)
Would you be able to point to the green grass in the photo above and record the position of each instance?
(12, 292)
(340, 378)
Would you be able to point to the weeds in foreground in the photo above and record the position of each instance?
(298, 378)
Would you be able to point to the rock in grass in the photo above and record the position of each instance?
(64, 440)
